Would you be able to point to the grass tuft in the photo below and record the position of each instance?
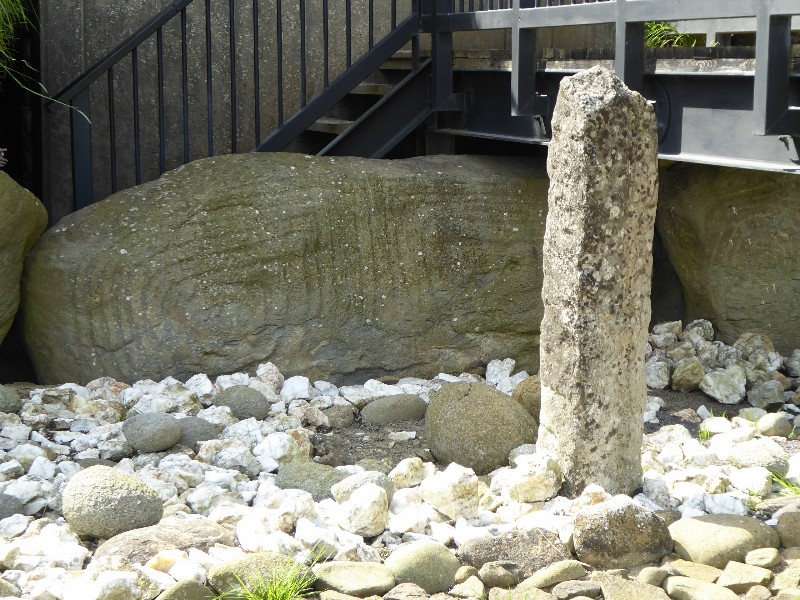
(286, 582)
(14, 15)
(659, 34)
(789, 488)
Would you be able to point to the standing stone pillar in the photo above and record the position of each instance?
(603, 172)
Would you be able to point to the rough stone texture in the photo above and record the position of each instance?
(152, 432)
(343, 490)
(9, 506)
(392, 251)
(195, 430)
(498, 573)
(10, 402)
(428, 564)
(685, 588)
(620, 534)
(244, 402)
(617, 588)
(187, 590)
(102, 502)
(22, 221)
(531, 550)
(314, 478)
(458, 430)
(688, 374)
(596, 288)
(563, 570)
(140, 545)
(739, 577)
(393, 409)
(716, 539)
(718, 224)
(529, 395)
(360, 579)
(788, 528)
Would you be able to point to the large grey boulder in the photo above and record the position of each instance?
(22, 221)
(597, 263)
(330, 266)
(101, 502)
(731, 235)
(476, 426)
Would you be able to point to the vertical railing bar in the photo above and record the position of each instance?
(112, 130)
(279, 34)
(162, 128)
(348, 27)
(371, 23)
(185, 86)
(209, 86)
(81, 129)
(416, 9)
(137, 149)
(256, 74)
(232, 32)
(303, 73)
(394, 14)
(325, 44)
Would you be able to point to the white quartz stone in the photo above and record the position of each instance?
(454, 492)
(367, 512)
(410, 472)
(297, 387)
(534, 479)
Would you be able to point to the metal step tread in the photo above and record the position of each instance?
(372, 89)
(330, 125)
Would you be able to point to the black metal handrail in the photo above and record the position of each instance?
(290, 83)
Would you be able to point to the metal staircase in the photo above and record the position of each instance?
(725, 106)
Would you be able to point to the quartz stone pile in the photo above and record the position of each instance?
(172, 489)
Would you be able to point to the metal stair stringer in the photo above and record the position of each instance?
(347, 81)
(388, 121)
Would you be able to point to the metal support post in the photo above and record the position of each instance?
(523, 65)
(771, 84)
(441, 55)
(629, 52)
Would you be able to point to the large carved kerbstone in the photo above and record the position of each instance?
(344, 268)
(22, 221)
(733, 236)
(597, 267)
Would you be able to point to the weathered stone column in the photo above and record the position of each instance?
(603, 173)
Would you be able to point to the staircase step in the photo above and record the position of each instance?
(402, 60)
(330, 125)
(372, 89)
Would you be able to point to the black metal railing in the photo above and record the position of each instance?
(234, 70)
(278, 73)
